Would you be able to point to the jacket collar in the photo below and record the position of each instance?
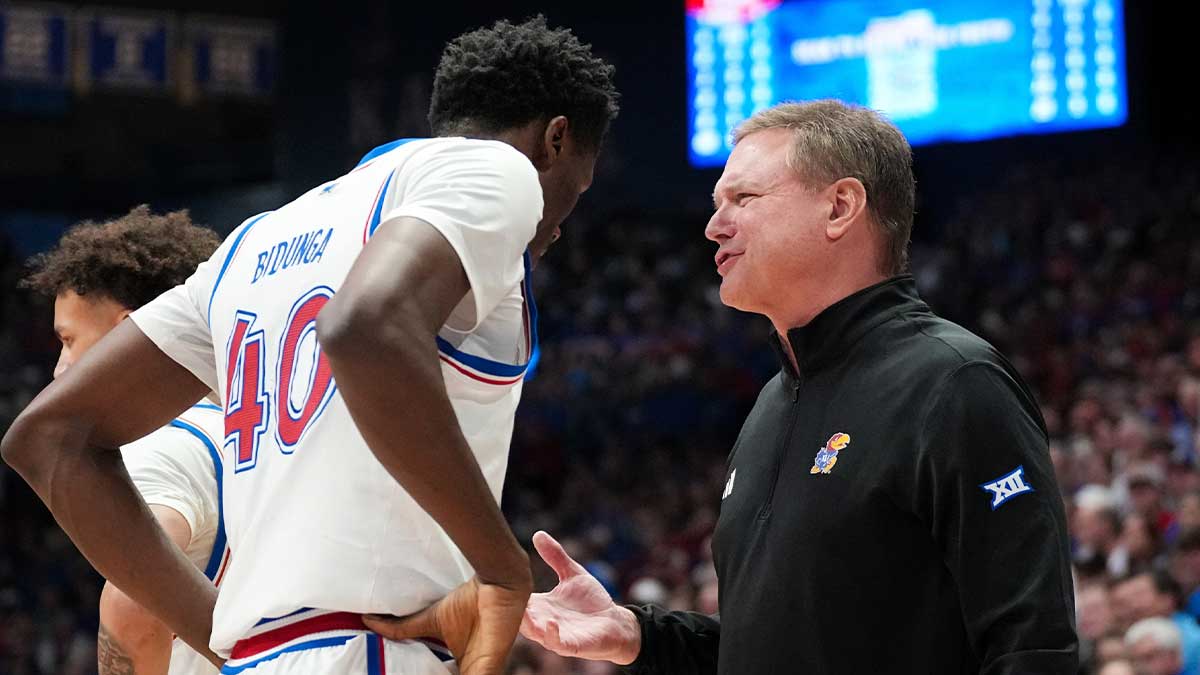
(838, 327)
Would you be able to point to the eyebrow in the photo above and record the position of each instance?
(734, 187)
(731, 187)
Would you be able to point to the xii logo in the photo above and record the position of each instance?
(1007, 486)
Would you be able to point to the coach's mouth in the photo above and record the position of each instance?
(725, 260)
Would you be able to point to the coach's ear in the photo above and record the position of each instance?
(551, 146)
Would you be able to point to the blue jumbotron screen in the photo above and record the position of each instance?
(942, 70)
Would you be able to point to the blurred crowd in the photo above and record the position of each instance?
(1086, 278)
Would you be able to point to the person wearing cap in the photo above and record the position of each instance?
(890, 506)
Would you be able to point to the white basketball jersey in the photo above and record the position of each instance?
(179, 466)
(314, 520)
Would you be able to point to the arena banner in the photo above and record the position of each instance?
(34, 44)
(227, 57)
(120, 49)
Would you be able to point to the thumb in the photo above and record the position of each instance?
(556, 556)
(423, 624)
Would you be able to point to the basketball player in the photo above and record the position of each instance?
(97, 275)
(369, 340)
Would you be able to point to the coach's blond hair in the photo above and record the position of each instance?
(833, 140)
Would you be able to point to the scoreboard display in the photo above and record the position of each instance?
(941, 70)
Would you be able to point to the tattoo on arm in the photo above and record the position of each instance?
(110, 657)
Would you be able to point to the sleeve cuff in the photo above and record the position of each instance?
(640, 665)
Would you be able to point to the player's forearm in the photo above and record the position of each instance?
(419, 441)
(131, 640)
(89, 492)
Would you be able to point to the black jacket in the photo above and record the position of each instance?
(891, 509)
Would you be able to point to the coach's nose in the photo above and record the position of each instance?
(720, 226)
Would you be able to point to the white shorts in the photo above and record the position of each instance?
(186, 661)
(338, 651)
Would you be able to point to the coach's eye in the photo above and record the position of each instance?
(744, 197)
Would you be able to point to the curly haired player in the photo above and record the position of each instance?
(369, 341)
(98, 274)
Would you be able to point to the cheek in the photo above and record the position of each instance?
(561, 204)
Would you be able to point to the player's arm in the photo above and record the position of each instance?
(65, 445)
(1007, 548)
(379, 332)
(131, 639)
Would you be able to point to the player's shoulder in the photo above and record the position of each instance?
(431, 154)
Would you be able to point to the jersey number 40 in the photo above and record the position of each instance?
(303, 381)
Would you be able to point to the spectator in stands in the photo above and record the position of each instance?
(1141, 542)
(1156, 594)
(1146, 483)
(1155, 649)
(1096, 530)
(1189, 508)
(1094, 619)
(1185, 567)
(1109, 648)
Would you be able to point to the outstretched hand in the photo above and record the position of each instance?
(578, 618)
(477, 621)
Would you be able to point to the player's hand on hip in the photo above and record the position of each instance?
(578, 618)
(478, 621)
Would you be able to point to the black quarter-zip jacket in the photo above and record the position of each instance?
(889, 509)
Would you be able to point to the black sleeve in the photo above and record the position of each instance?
(675, 643)
(985, 487)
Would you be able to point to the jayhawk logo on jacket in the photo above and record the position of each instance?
(828, 455)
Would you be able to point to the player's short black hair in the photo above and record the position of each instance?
(132, 259)
(509, 75)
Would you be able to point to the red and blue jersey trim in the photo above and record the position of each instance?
(368, 158)
(233, 251)
(495, 372)
(307, 629)
(376, 213)
(376, 655)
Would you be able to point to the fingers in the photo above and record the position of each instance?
(555, 556)
(419, 625)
